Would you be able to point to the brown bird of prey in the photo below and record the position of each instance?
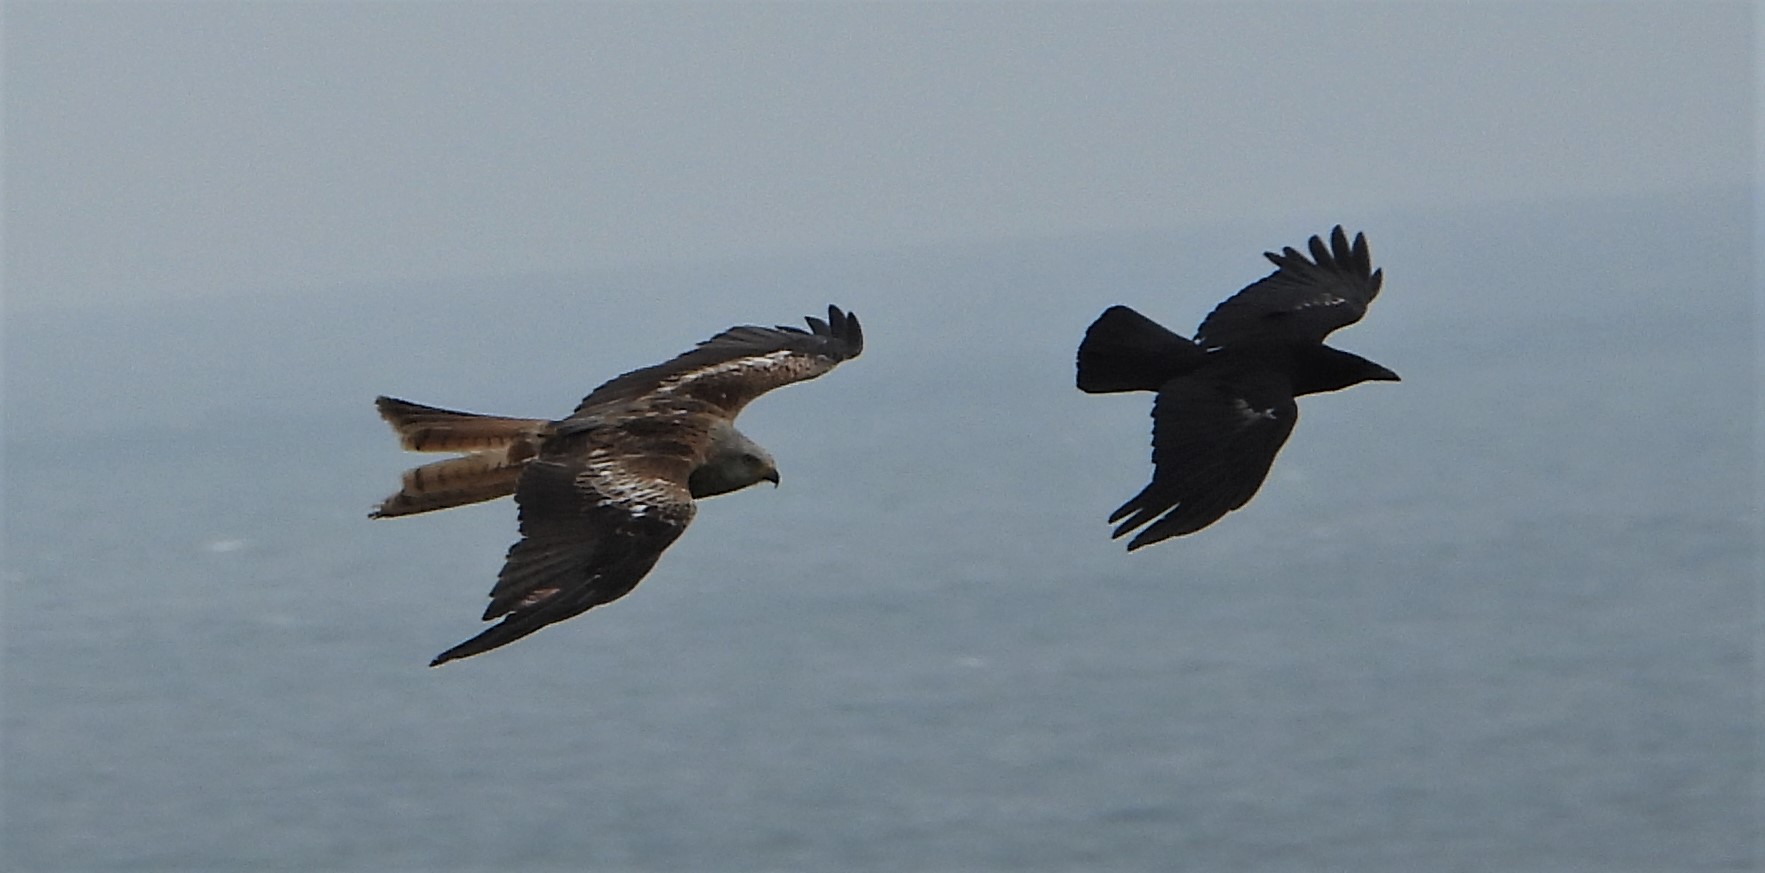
(602, 492)
(1226, 399)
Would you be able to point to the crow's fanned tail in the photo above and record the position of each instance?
(1126, 351)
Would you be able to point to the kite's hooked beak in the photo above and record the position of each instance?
(771, 476)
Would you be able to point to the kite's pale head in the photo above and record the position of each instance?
(734, 463)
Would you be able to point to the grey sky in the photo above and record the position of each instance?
(171, 149)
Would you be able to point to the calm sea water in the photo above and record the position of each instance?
(1496, 617)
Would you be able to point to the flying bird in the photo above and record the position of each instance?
(602, 492)
(1225, 400)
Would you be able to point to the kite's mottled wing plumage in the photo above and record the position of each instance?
(738, 365)
(1303, 301)
(591, 527)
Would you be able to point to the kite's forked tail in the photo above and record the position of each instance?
(1126, 351)
(495, 450)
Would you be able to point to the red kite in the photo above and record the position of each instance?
(604, 491)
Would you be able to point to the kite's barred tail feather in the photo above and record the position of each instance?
(496, 451)
(432, 429)
(1126, 351)
(454, 482)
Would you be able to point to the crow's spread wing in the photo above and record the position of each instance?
(737, 365)
(1303, 301)
(592, 524)
(1215, 434)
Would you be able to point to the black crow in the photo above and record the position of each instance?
(1226, 399)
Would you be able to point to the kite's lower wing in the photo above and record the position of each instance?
(589, 534)
(1215, 434)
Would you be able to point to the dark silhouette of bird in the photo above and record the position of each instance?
(1226, 398)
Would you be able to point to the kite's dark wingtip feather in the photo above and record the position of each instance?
(839, 326)
(846, 328)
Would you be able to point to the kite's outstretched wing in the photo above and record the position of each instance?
(736, 366)
(1303, 301)
(1215, 434)
(591, 526)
